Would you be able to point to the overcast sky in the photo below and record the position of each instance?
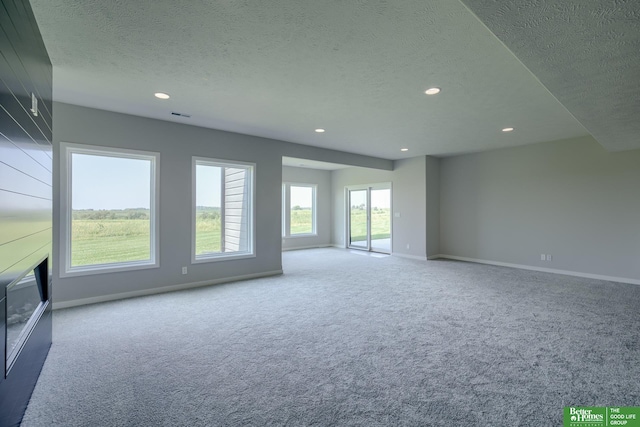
(379, 198)
(100, 182)
(208, 186)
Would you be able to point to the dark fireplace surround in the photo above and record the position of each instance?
(25, 329)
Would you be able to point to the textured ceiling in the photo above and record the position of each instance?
(586, 52)
(282, 68)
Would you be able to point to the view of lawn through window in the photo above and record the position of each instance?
(110, 209)
(380, 223)
(208, 209)
(380, 216)
(301, 210)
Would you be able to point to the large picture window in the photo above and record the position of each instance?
(299, 210)
(109, 205)
(223, 222)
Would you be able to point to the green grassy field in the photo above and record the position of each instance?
(102, 241)
(380, 224)
(207, 235)
(301, 221)
(109, 236)
(102, 237)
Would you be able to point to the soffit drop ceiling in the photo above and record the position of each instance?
(311, 164)
(281, 69)
(586, 52)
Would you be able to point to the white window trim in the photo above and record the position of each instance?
(223, 256)
(286, 217)
(66, 151)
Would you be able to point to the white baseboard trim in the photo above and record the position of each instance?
(545, 270)
(430, 257)
(416, 257)
(307, 247)
(164, 289)
(340, 246)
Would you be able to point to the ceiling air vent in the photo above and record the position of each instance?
(173, 113)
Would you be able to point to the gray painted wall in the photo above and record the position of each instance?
(409, 199)
(570, 198)
(433, 206)
(322, 179)
(177, 143)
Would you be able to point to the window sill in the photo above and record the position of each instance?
(106, 268)
(221, 257)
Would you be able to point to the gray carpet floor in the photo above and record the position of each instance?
(344, 339)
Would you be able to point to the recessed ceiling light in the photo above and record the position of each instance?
(507, 130)
(320, 130)
(432, 91)
(404, 149)
(161, 95)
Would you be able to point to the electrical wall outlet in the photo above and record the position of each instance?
(543, 257)
(549, 257)
(408, 246)
(184, 270)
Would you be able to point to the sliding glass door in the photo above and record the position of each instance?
(369, 218)
(358, 219)
(381, 220)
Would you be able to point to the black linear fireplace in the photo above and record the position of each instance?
(26, 331)
(27, 301)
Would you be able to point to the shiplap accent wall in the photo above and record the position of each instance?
(25, 188)
(25, 142)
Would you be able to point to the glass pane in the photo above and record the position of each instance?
(381, 220)
(358, 218)
(301, 208)
(223, 209)
(22, 301)
(208, 209)
(111, 217)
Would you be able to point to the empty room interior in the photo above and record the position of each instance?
(222, 213)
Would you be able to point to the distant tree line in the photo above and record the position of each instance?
(208, 212)
(104, 214)
(210, 215)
